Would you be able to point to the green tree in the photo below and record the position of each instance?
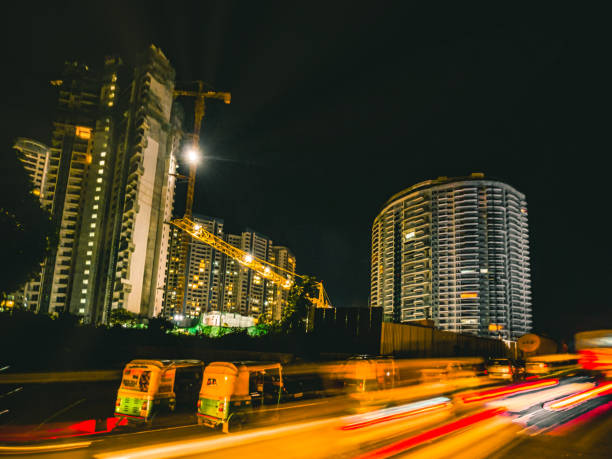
(299, 305)
(122, 316)
(25, 228)
(160, 324)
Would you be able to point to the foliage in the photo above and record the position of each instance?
(299, 305)
(26, 229)
(120, 317)
(260, 330)
(160, 324)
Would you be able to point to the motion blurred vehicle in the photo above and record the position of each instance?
(444, 370)
(150, 387)
(233, 392)
(365, 373)
(595, 350)
(505, 369)
(543, 365)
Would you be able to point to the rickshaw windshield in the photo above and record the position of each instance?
(138, 379)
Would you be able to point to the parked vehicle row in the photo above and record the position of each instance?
(228, 395)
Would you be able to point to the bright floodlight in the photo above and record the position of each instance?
(192, 155)
(248, 258)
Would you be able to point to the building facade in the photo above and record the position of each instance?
(110, 187)
(34, 156)
(142, 193)
(69, 163)
(455, 251)
(203, 287)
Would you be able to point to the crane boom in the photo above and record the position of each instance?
(273, 273)
(263, 268)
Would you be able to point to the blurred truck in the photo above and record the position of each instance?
(595, 349)
(531, 345)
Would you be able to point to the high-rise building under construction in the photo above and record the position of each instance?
(455, 251)
(110, 187)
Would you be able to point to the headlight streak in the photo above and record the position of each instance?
(568, 426)
(519, 404)
(404, 445)
(576, 399)
(183, 448)
(393, 413)
(503, 392)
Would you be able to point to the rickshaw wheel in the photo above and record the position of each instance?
(149, 422)
(235, 424)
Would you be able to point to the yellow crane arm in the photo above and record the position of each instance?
(263, 268)
(269, 271)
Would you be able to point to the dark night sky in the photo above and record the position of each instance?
(338, 105)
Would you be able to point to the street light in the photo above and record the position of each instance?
(192, 155)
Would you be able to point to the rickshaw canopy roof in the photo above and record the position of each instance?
(165, 364)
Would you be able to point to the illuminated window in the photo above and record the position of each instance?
(469, 295)
(102, 163)
(83, 132)
(89, 252)
(84, 291)
(98, 188)
(409, 235)
(110, 104)
(82, 310)
(94, 216)
(484, 271)
(92, 234)
(87, 262)
(100, 171)
(86, 272)
(90, 244)
(93, 225)
(95, 207)
(99, 180)
(83, 300)
(85, 282)
(103, 154)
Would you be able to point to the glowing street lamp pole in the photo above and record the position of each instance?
(192, 156)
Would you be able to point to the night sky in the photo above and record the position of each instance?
(338, 105)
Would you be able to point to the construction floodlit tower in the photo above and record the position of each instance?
(192, 156)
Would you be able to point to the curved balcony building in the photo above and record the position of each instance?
(456, 251)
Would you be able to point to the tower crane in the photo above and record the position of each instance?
(276, 274)
(200, 95)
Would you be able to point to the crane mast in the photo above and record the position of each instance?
(200, 96)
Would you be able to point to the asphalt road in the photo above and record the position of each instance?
(317, 428)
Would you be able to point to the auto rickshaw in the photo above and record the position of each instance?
(149, 387)
(368, 379)
(233, 392)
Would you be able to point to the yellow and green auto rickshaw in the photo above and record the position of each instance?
(233, 392)
(149, 387)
